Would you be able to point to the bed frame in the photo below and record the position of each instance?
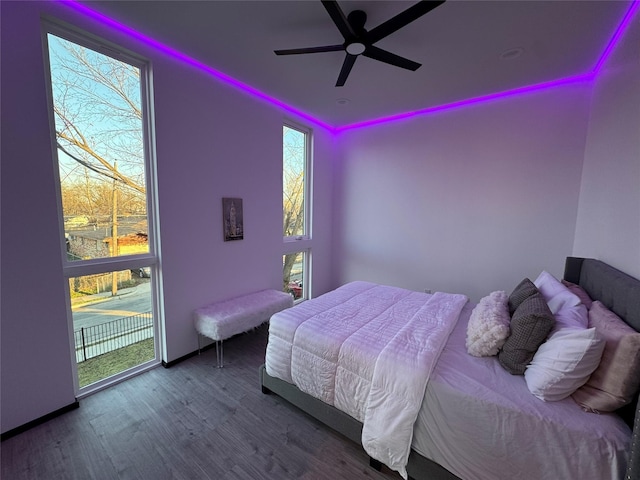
(617, 290)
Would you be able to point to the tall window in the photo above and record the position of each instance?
(101, 137)
(295, 210)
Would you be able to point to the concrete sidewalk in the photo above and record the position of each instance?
(104, 296)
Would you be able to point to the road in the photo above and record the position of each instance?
(128, 302)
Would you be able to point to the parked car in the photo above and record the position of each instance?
(295, 289)
(142, 272)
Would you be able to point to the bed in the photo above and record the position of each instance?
(474, 420)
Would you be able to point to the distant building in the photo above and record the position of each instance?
(94, 241)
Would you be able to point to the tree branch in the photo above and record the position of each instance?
(119, 176)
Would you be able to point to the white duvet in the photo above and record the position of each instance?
(368, 350)
(482, 423)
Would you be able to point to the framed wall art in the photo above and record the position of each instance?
(232, 219)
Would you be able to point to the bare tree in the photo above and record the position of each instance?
(293, 206)
(98, 122)
(293, 218)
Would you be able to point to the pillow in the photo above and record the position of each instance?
(488, 326)
(523, 290)
(571, 317)
(555, 293)
(617, 379)
(563, 363)
(530, 325)
(580, 292)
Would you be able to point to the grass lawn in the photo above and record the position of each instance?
(116, 361)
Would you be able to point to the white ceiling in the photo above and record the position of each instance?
(459, 45)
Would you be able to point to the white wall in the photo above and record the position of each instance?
(212, 141)
(468, 200)
(231, 146)
(608, 226)
(36, 358)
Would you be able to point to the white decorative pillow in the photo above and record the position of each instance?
(564, 363)
(488, 326)
(555, 293)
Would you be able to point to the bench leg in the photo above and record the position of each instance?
(219, 353)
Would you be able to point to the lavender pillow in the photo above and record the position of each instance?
(578, 291)
(555, 293)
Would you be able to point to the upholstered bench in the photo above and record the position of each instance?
(224, 319)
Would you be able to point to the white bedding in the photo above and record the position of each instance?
(482, 423)
(368, 350)
(476, 420)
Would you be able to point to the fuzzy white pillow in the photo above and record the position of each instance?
(488, 327)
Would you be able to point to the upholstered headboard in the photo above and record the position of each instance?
(621, 294)
(617, 290)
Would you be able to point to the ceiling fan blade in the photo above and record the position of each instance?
(390, 58)
(347, 65)
(296, 51)
(339, 18)
(402, 19)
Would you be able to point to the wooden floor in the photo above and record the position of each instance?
(191, 421)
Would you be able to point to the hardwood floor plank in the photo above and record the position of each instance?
(191, 421)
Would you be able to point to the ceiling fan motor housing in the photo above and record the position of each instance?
(359, 41)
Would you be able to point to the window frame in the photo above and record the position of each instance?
(79, 268)
(308, 135)
(303, 243)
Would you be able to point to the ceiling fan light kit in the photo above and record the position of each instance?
(359, 41)
(355, 48)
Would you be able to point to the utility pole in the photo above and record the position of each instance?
(114, 229)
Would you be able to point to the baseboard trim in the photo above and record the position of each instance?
(188, 355)
(39, 421)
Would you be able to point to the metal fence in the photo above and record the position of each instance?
(106, 337)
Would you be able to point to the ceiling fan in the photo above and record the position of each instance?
(359, 41)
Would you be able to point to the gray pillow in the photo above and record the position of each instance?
(524, 290)
(530, 324)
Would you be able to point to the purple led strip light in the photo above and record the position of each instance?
(190, 61)
(635, 4)
(531, 88)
